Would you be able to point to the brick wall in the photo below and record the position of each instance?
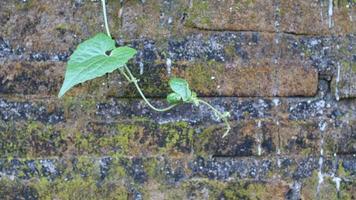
(285, 69)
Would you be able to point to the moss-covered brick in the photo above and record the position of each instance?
(329, 188)
(231, 15)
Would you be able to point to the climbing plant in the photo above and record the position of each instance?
(99, 55)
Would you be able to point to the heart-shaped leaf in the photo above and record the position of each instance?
(181, 87)
(90, 60)
(174, 98)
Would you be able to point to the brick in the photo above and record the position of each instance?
(195, 167)
(328, 188)
(88, 126)
(192, 177)
(230, 15)
(52, 27)
(234, 79)
(312, 17)
(344, 79)
(156, 19)
(234, 190)
(262, 137)
(39, 78)
(142, 137)
(340, 140)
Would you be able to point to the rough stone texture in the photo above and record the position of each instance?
(317, 17)
(284, 73)
(231, 15)
(344, 82)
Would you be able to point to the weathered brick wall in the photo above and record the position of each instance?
(284, 68)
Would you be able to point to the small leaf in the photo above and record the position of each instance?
(181, 87)
(174, 98)
(90, 61)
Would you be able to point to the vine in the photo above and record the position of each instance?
(98, 55)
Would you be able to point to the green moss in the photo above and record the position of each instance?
(31, 139)
(309, 187)
(78, 188)
(14, 189)
(178, 137)
(341, 171)
(253, 191)
(307, 51)
(172, 138)
(150, 166)
(111, 139)
(241, 5)
(78, 104)
(75, 188)
(306, 151)
(330, 146)
(87, 167)
(327, 189)
(206, 22)
(205, 138)
(62, 27)
(199, 13)
(84, 143)
(81, 181)
(125, 136)
(341, 3)
(347, 190)
(215, 189)
(200, 74)
(25, 5)
(230, 50)
(353, 67)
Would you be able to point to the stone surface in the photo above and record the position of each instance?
(344, 81)
(182, 178)
(229, 15)
(260, 127)
(50, 27)
(315, 17)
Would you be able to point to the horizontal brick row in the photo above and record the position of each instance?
(160, 18)
(221, 64)
(259, 127)
(182, 178)
(145, 138)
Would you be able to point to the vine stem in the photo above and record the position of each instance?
(105, 18)
(220, 115)
(132, 79)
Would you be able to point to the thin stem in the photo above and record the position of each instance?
(125, 75)
(220, 115)
(105, 18)
(131, 78)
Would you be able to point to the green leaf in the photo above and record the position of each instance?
(181, 87)
(174, 98)
(90, 61)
